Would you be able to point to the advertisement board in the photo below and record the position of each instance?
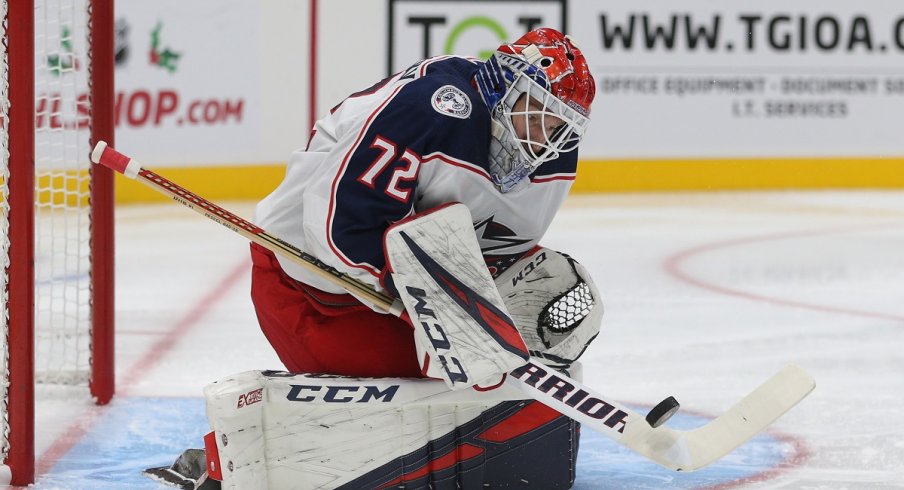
(702, 78)
(771, 78)
(421, 29)
(755, 92)
(183, 91)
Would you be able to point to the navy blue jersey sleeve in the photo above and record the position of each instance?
(380, 180)
(564, 166)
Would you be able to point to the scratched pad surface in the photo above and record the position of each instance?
(139, 432)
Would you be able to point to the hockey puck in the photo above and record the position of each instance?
(662, 412)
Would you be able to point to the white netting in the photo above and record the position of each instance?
(62, 220)
(62, 215)
(566, 311)
(4, 228)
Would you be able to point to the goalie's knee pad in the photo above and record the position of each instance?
(554, 303)
(277, 430)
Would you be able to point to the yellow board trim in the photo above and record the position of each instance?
(249, 182)
(253, 182)
(739, 174)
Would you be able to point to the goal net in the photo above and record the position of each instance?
(56, 212)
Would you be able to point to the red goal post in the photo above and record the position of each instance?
(56, 314)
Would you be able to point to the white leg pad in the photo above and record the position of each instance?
(235, 408)
(277, 430)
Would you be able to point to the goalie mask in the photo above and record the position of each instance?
(538, 90)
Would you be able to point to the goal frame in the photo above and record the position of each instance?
(21, 300)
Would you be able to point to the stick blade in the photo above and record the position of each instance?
(697, 448)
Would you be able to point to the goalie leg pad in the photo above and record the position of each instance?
(318, 431)
(462, 331)
(235, 412)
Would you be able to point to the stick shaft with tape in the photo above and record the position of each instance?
(108, 157)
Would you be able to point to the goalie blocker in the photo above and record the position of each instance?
(274, 430)
(462, 331)
(468, 329)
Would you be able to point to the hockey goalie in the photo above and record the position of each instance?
(436, 186)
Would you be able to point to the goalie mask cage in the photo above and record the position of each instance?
(56, 313)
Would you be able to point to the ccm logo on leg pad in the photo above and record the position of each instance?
(341, 394)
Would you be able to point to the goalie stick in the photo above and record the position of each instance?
(680, 450)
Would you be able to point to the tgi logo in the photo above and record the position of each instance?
(421, 29)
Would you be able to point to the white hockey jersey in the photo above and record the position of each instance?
(411, 142)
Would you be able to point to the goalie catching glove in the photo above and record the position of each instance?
(555, 304)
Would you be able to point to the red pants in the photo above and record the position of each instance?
(317, 332)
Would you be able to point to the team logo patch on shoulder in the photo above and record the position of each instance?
(451, 101)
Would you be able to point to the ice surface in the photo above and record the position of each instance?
(706, 296)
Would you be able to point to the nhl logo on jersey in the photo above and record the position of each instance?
(451, 101)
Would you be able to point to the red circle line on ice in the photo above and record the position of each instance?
(673, 265)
